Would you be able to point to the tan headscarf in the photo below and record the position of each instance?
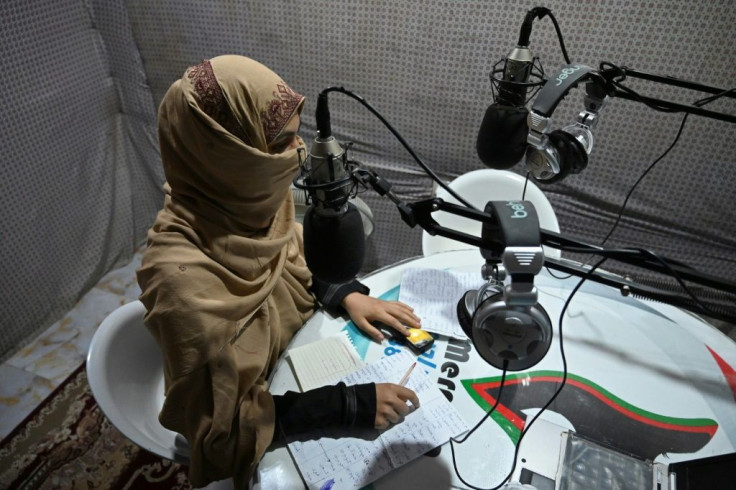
(224, 279)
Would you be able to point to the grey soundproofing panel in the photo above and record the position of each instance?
(80, 174)
(82, 80)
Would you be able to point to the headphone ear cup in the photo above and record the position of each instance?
(511, 338)
(465, 314)
(572, 155)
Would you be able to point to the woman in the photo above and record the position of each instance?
(224, 279)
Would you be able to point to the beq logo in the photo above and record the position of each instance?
(566, 72)
(519, 211)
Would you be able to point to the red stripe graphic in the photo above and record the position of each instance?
(727, 370)
(519, 423)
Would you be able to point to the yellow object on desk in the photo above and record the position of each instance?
(418, 337)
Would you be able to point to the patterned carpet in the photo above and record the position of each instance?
(67, 442)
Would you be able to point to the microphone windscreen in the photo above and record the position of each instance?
(502, 137)
(334, 247)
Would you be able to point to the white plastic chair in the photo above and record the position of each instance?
(125, 373)
(478, 187)
(126, 377)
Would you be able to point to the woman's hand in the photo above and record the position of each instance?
(391, 404)
(365, 309)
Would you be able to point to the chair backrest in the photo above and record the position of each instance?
(125, 373)
(478, 187)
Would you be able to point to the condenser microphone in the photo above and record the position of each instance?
(334, 247)
(516, 73)
(334, 240)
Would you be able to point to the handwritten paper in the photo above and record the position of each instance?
(324, 362)
(434, 295)
(355, 461)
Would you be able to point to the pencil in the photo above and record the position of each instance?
(406, 376)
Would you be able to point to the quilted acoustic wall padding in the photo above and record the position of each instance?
(81, 81)
(425, 65)
(80, 177)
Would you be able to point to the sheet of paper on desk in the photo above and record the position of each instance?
(324, 362)
(434, 294)
(353, 462)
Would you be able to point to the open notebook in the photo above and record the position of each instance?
(324, 361)
(429, 291)
(338, 460)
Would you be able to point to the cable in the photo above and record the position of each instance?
(546, 405)
(487, 414)
(677, 277)
(559, 37)
(561, 278)
(483, 419)
(698, 103)
(612, 253)
(526, 181)
(526, 28)
(641, 177)
(401, 140)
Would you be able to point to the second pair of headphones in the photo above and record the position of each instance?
(561, 154)
(507, 326)
(552, 156)
(508, 134)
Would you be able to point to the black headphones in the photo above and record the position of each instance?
(517, 336)
(552, 156)
(507, 326)
(559, 156)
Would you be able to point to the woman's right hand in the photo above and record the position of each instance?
(391, 406)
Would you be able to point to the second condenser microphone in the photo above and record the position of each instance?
(502, 136)
(517, 70)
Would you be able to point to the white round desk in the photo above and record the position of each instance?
(646, 378)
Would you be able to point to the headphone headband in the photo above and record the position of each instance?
(557, 88)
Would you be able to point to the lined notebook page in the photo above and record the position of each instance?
(339, 461)
(324, 362)
(434, 294)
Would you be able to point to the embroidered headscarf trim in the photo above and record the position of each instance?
(211, 99)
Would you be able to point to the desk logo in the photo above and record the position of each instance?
(593, 412)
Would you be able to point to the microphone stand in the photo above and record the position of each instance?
(612, 76)
(419, 213)
(607, 80)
